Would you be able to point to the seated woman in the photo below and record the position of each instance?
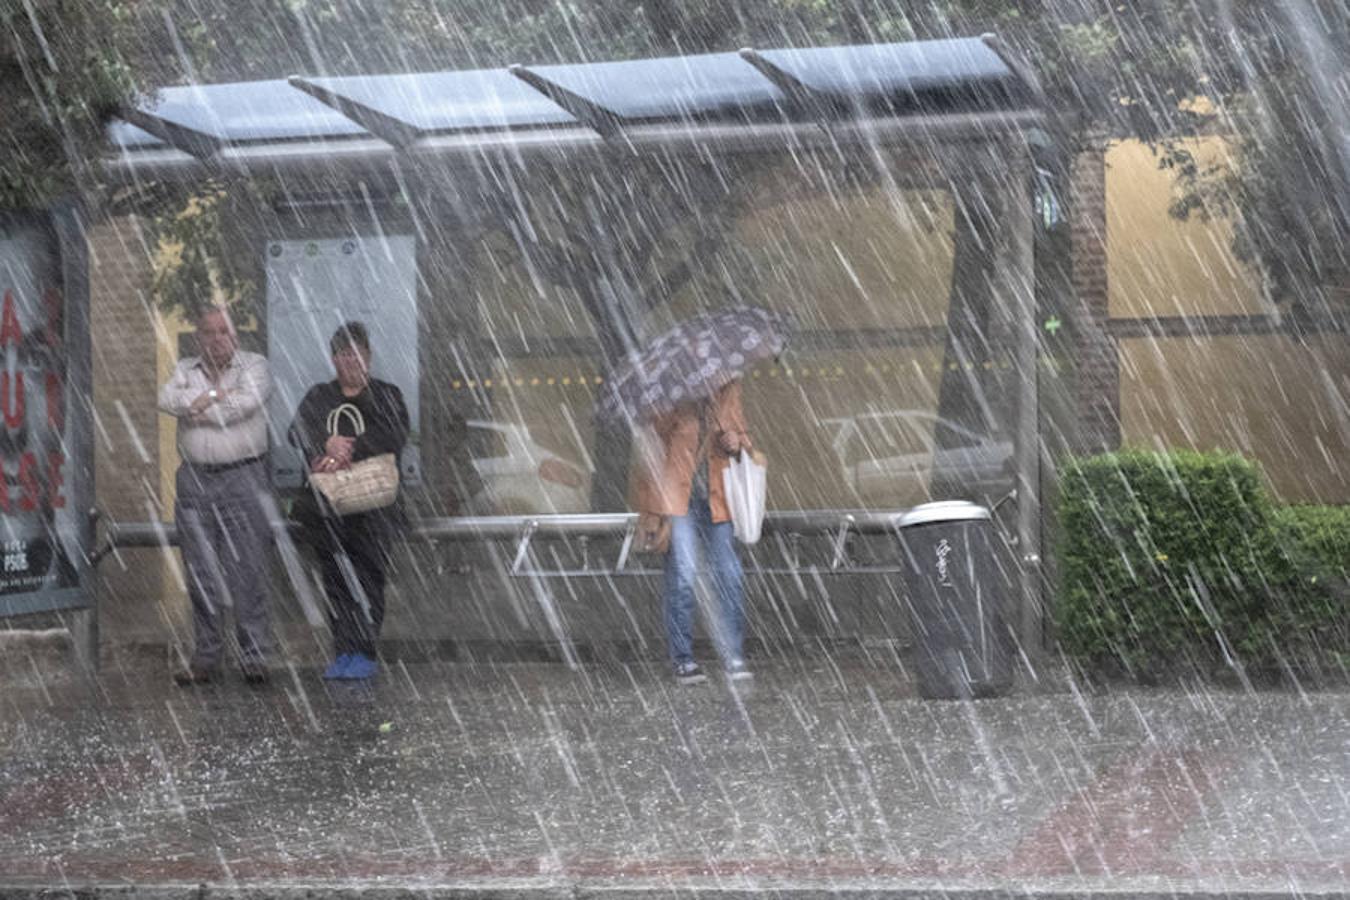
(339, 423)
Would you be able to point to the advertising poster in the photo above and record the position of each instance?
(41, 522)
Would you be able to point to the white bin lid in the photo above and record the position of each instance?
(941, 511)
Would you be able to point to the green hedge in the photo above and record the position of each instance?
(1316, 619)
(1321, 534)
(1179, 559)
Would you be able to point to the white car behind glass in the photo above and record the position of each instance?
(892, 458)
(520, 476)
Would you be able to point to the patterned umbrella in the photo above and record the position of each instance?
(692, 361)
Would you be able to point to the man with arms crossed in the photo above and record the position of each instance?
(219, 399)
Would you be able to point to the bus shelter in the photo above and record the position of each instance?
(508, 233)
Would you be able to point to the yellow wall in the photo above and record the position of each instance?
(845, 259)
(1265, 396)
(166, 359)
(1157, 265)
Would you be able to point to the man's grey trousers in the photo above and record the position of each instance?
(224, 537)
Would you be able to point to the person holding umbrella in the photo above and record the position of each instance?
(681, 506)
(683, 395)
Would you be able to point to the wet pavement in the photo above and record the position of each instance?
(824, 774)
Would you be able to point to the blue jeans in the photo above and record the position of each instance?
(686, 533)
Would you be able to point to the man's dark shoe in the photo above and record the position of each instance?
(193, 675)
(254, 673)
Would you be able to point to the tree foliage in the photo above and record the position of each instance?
(64, 72)
(1272, 74)
(196, 261)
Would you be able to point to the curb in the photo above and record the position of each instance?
(713, 889)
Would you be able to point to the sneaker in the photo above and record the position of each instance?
(737, 670)
(360, 668)
(689, 673)
(338, 669)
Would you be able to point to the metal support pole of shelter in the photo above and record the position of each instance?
(1016, 268)
(69, 220)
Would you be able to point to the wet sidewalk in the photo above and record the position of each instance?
(822, 775)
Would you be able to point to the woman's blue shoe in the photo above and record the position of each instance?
(338, 669)
(360, 667)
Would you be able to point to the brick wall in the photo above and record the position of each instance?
(126, 433)
(1098, 361)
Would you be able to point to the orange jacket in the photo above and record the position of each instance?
(666, 456)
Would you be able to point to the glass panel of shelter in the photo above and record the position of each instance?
(877, 403)
(890, 394)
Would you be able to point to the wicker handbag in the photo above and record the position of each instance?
(370, 484)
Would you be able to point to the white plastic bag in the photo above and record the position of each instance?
(744, 481)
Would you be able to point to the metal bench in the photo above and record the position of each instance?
(784, 533)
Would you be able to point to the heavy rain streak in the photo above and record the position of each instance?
(549, 448)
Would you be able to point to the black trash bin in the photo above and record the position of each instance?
(958, 599)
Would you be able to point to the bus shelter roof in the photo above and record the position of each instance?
(961, 82)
